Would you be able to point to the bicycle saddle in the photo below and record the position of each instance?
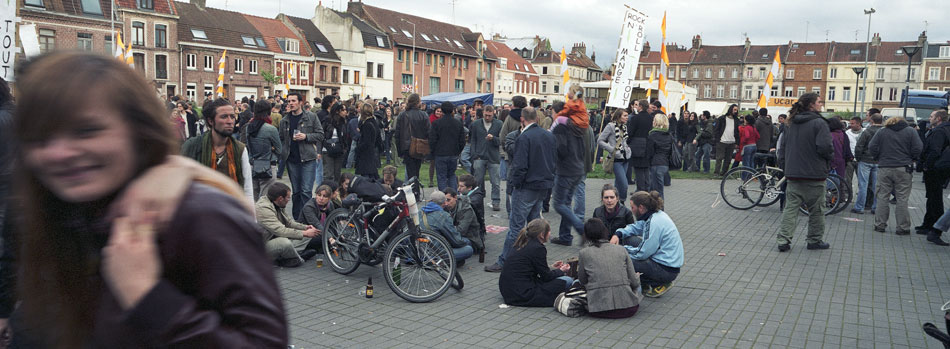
(351, 201)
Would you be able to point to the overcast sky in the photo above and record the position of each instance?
(597, 22)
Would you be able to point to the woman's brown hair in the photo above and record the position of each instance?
(652, 200)
(58, 263)
(533, 231)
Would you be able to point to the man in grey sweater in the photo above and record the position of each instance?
(895, 170)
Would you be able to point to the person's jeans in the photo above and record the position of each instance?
(564, 189)
(480, 167)
(867, 176)
(351, 158)
(503, 169)
(332, 168)
(579, 193)
(568, 281)
(463, 253)
(466, 158)
(657, 175)
(689, 157)
(748, 155)
(318, 173)
(301, 183)
(643, 178)
(703, 153)
(653, 273)
(812, 193)
(280, 169)
(525, 207)
(620, 168)
(445, 171)
(943, 224)
(898, 180)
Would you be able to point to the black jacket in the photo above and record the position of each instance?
(483, 149)
(638, 128)
(807, 147)
(721, 128)
(368, 148)
(413, 120)
(896, 145)
(763, 125)
(446, 137)
(533, 163)
(570, 149)
(623, 217)
(937, 139)
(659, 148)
(861, 152)
(527, 280)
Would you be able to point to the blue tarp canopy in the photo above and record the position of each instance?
(457, 98)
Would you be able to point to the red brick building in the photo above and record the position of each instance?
(326, 64)
(67, 25)
(514, 75)
(151, 27)
(805, 68)
(293, 61)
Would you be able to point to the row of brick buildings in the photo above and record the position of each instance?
(364, 51)
(737, 74)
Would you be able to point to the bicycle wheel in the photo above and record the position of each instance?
(419, 267)
(773, 192)
(458, 284)
(741, 188)
(343, 255)
(832, 197)
(844, 195)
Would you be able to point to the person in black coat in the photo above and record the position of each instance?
(638, 128)
(446, 139)
(613, 213)
(369, 144)
(526, 279)
(659, 148)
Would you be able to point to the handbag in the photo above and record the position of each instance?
(609, 164)
(573, 302)
(676, 159)
(418, 147)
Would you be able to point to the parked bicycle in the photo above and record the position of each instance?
(744, 187)
(418, 265)
(935, 332)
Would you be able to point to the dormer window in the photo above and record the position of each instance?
(393, 29)
(289, 45)
(457, 43)
(199, 34)
(379, 41)
(322, 48)
(424, 36)
(91, 7)
(145, 4)
(855, 52)
(765, 56)
(248, 41)
(260, 42)
(809, 53)
(36, 3)
(715, 56)
(407, 34)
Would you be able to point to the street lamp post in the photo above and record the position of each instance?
(910, 51)
(413, 58)
(857, 79)
(867, 51)
(741, 71)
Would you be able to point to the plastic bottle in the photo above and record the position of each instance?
(397, 273)
(369, 288)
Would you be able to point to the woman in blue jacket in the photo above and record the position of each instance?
(653, 243)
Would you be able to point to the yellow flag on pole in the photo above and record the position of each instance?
(664, 65)
(650, 88)
(220, 89)
(564, 72)
(776, 64)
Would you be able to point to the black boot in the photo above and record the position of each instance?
(934, 237)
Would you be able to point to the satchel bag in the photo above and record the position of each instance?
(609, 164)
(676, 159)
(573, 302)
(418, 147)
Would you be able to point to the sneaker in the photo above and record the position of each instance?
(903, 232)
(658, 291)
(934, 237)
(496, 207)
(784, 247)
(494, 268)
(820, 245)
(857, 211)
(558, 241)
(307, 254)
(879, 229)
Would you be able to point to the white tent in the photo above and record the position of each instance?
(673, 88)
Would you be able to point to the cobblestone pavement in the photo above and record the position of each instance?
(869, 290)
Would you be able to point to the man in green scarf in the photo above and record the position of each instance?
(217, 149)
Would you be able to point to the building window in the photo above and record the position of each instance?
(161, 67)
(108, 46)
(323, 73)
(893, 94)
(435, 84)
(695, 73)
(683, 73)
(720, 90)
(707, 91)
(933, 73)
(191, 61)
(91, 7)
(356, 77)
(379, 70)
(369, 69)
(322, 48)
(161, 36)
(747, 92)
(379, 41)
(304, 71)
(253, 66)
(879, 94)
(733, 92)
(248, 41)
(407, 80)
(415, 57)
(709, 73)
(788, 91)
(139, 60)
(557, 88)
(209, 63)
(944, 51)
(334, 72)
(428, 59)
(846, 94)
(191, 90)
(672, 74)
(544, 87)
(647, 72)
(37, 3)
(831, 93)
(209, 89)
(47, 40)
(146, 4)
(400, 56)
(801, 91)
(816, 74)
(762, 73)
(816, 90)
(238, 65)
(199, 34)
(459, 85)
(790, 74)
(880, 74)
(138, 33)
(913, 73)
(832, 74)
(774, 92)
(735, 73)
(293, 46)
(346, 76)
(84, 41)
(722, 73)
(860, 94)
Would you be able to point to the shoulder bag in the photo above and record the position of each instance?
(418, 147)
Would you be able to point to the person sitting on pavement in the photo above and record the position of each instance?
(526, 278)
(334, 192)
(476, 197)
(435, 218)
(389, 179)
(607, 272)
(316, 210)
(463, 217)
(612, 213)
(287, 242)
(653, 242)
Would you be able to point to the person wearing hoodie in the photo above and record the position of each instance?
(842, 146)
(653, 243)
(763, 125)
(512, 123)
(638, 129)
(807, 151)
(727, 136)
(937, 141)
(263, 146)
(659, 148)
(569, 129)
(434, 218)
(895, 170)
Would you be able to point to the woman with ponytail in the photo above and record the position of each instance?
(526, 280)
(653, 242)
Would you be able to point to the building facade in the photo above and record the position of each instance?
(806, 68)
(756, 67)
(843, 86)
(326, 62)
(362, 49)
(514, 75)
(715, 71)
(151, 27)
(936, 66)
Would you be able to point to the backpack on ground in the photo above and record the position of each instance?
(573, 302)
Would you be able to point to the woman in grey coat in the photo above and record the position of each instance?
(614, 140)
(613, 286)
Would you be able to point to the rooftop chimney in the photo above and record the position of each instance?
(922, 39)
(697, 42)
(876, 39)
(199, 3)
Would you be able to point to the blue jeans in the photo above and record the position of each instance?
(567, 280)
(503, 169)
(466, 158)
(579, 198)
(657, 174)
(463, 253)
(301, 183)
(943, 224)
(318, 174)
(479, 168)
(702, 154)
(564, 190)
(525, 206)
(620, 169)
(748, 155)
(867, 177)
(445, 172)
(280, 169)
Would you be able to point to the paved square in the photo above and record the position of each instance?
(869, 290)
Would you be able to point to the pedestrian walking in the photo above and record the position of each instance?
(727, 135)
(569, 129)
(614, 140)
(807, 151)
(896, 147)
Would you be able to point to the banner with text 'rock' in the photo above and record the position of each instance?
(628, 57)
